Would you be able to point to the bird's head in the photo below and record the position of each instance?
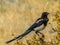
(44, 15)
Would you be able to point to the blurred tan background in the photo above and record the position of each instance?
(17, 15)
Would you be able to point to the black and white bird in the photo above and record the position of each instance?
(39, 25)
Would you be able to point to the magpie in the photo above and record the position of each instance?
(37, 26)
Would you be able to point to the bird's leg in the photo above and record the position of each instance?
(39, 33)
(41, 38)
(18, 42)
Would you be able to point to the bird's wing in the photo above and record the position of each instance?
(36, 24)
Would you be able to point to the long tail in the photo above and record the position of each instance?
(20, 36)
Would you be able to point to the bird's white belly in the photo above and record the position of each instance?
(39, 28)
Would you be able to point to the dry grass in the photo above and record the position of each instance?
(17, 15)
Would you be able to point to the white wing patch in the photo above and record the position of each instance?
(39, 20)
(39, 28)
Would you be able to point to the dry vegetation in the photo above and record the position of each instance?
(17, 15)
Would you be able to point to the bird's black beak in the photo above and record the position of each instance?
(48, 13)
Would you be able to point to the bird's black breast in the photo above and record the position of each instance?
(46, 21)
